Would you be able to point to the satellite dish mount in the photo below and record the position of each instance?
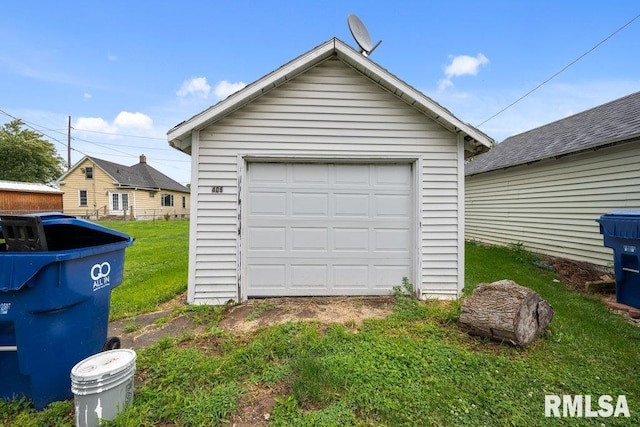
(361, 35)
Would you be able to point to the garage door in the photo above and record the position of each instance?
(327, 229)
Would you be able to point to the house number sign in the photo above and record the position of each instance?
(216, 189)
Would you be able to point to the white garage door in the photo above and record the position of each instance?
(327, 229)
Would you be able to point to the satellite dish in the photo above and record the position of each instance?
(361, 35)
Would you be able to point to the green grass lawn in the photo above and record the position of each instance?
(414, 368)
(155, 267)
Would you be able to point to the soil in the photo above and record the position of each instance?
(577, 273)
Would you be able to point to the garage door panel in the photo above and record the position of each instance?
(392, 206)
(390, 239)
(267, 276)
(351, 205)
(309, 173)
(266, 173)
(352, 175)
(309, 239)
(268, 203)
(309, 276)
(351, 239)
(350, 276)
(267, 238)
(340, 229)
(387, 275)
(309, 204)
(392, 176)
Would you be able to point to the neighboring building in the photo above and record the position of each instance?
(18, 198)
(95, 188)
(546, 187)
(328, 176)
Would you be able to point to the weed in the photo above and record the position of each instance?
(521, 253)
(407, 305)
(132, 325)
(259, 309)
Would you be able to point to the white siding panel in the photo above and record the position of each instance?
(329, 112)
(552, 206)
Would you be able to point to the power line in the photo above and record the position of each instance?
(110, 148)
(563, 69)
(120, 134)
(33, 128)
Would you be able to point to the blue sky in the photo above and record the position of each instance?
(128, 71)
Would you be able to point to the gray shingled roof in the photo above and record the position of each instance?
(140, 175)
(613, 122)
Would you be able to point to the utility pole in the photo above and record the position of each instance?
(69, 144)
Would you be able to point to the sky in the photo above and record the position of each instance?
(128, 71)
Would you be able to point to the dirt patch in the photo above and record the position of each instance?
(258, 313)
(577, 274)
(146, 329)
(255, 407)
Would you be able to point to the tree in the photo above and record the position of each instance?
(26, 156)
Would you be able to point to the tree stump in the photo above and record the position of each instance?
(505, 311)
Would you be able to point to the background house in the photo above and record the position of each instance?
(328, 176)
(546, 187)
(17, 198)
(95, 188)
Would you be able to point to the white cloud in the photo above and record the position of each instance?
(461, 66)
(225, 88)
(87, 95)
(112, 57)
(93, 124)
(197, 86)
(133, 121)
(123, 123)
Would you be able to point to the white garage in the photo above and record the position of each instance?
(328, 176)
(328, 229)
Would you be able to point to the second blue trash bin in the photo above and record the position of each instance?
(56, 277)
(621, 231)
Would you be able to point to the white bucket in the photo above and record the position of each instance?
(102, 386)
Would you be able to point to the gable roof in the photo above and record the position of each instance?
(140, 175)
(615, 122)
(476, 141)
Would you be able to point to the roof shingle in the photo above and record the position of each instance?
(139, 175)
(615, 121)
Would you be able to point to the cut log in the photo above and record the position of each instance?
(505, 311)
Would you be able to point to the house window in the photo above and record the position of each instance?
(119, 202)
(83, 198)
(88, 173)
(184, 202)
(167, 200)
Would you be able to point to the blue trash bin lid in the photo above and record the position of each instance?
(16, 268)
(621, 224)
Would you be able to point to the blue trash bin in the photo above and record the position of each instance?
(621, 231)
(56, 277)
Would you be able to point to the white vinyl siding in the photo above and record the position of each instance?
(552, 206)
(329, 112)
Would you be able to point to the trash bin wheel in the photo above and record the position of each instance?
(113, 343)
